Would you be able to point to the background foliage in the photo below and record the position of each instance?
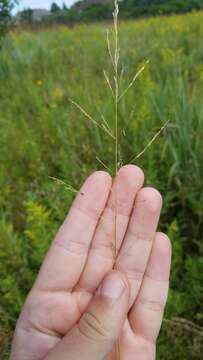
(42, 135)
(5, 14)
(87, 11)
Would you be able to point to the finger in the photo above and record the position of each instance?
(102, 252)
(67, 255)
(136, 248)
(98, 329)
(147, 312)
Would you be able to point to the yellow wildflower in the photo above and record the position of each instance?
(39, 82)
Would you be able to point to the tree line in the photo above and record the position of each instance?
(102, 10)
(97, 10)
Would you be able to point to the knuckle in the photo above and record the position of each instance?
(92, 328)
(104, 250)
(134, 274)
(155, 306)
(74, 246)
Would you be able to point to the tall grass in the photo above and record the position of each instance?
(42, 134)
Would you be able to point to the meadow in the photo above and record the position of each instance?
(43, 135)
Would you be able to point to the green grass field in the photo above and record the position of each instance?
(42, 134)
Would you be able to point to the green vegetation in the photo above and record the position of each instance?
(133, 8)
(6, 7)
(26, 16)
(42, 134)
(86, 11)
(55, 8)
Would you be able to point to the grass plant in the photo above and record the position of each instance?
(39, 129)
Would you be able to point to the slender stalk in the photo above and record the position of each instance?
(133, 80)
(116, 100)
(149, 144)
(89, 117)
(116, 97)
(61, 182)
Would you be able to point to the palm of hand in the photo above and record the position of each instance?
(82, 254)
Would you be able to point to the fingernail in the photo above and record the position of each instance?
(112, 287)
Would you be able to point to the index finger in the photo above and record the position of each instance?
(67, 256)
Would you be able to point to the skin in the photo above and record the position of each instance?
(83, 304)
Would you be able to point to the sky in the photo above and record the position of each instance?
(40, 4)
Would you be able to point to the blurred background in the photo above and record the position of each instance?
(53, 52)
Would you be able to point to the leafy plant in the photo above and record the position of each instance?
(6, 7)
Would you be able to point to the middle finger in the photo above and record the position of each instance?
(137, 245)
(101, 255)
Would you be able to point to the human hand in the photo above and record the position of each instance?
(78, 306)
